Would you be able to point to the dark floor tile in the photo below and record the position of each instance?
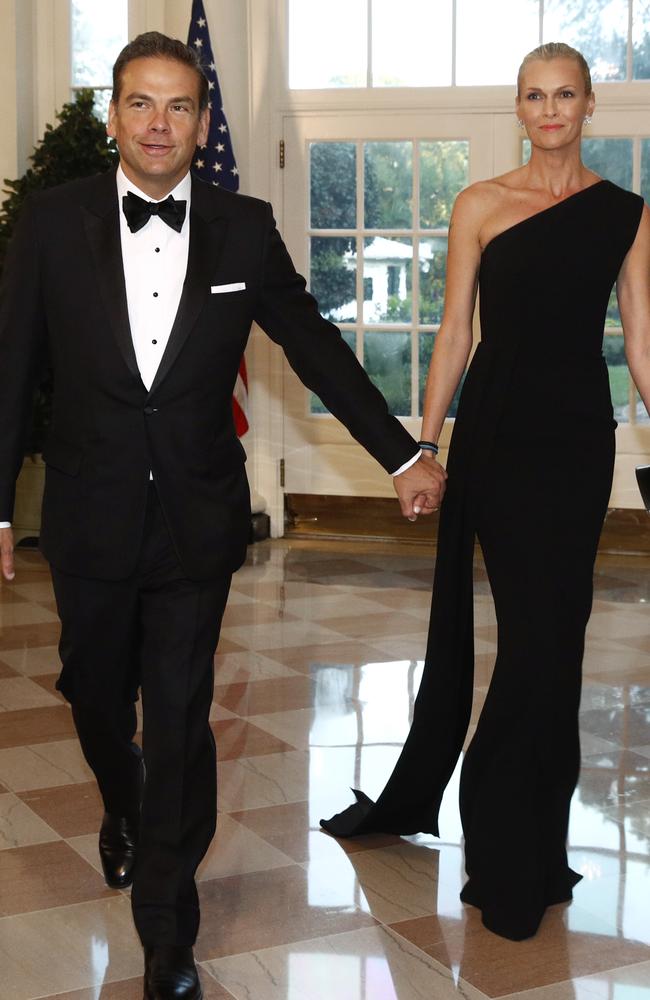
(71, 810)
(36, 725)
(18, 636)
(278, 694)
(46, 875)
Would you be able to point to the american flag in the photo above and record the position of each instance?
(215, 163)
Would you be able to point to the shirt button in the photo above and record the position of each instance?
(157, 250)
(155, 295)
(154, 341)
(148, 410)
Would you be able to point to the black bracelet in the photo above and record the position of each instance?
(429, 446)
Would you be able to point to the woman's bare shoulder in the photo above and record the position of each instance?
(481, 199)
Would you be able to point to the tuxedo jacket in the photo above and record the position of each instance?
(63, 299)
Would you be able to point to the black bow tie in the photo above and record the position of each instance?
(138, 211)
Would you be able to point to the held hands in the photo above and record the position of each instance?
(7, 553)
(421, 487)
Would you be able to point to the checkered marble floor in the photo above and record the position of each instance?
(316, 674)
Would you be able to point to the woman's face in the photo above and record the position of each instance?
(552, 102)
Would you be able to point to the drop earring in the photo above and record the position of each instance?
(588, 120)
(520, 124)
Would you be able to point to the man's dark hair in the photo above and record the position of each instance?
(154, 45)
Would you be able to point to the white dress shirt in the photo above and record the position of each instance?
(155, 262)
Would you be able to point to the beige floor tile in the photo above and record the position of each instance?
(368, 964)
(396, 882)
(373, 627)
(309, 658)
(21, 692)
(78, 946)
(317, 607)
(235, 850)
(267, 908)
(43, 765)
(263, 781)
(86, 846)
(20, 826)
(32, 661)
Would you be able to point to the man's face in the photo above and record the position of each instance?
(156, 123)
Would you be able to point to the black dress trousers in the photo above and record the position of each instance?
(156, 631)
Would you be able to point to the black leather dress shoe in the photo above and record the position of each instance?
(118, 844)
(170, 973)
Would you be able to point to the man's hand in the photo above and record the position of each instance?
(7, 553)
(421, 488)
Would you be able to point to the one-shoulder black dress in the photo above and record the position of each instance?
(530, 472)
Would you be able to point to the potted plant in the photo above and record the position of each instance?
(76, 147)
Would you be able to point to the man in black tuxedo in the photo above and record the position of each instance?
(141, 287)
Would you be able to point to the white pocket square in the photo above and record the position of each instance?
(235, 286)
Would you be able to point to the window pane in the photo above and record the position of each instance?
(433, 271)
(612, 316)
(333, 276)
(618, 377)
(403, 43)
(641, 40)
(387, 359)
(327, 43)
(333, 185)
(645, 169)
(611, 158)
(598, 28)
(388, 179)
(387, 280)
(316, 405)
(99, 32)
(425, 350)
(443, 173)
(491, 45)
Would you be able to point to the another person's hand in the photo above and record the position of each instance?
(7, 553)
(421, 487)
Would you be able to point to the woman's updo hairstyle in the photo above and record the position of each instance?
(556, 50)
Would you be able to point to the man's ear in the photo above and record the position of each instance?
(204, 125)
(110, 125)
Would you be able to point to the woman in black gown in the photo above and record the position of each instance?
(529, 473)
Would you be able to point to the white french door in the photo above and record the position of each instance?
(367, 204)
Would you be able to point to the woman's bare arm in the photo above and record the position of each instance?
(454, 338)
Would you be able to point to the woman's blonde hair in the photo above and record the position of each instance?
(556, 50)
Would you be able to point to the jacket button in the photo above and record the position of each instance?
(150, 409)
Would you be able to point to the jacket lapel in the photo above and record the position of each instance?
(102, 225)
(207, 234)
